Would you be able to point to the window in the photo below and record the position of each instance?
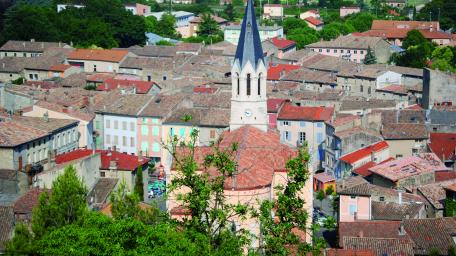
(94, 68)
(302, 137)
(348, 51)
(116, 124)
(369, 90)
(144, 129)
(144, 146)
(149, 78)
(341, 51)
(382, 199)
(31, 76)
(108, 139)
(124, 141)
(302, 124)
(181, 132)
(132, 141)
(124, 125)
(212, 134)
(399, 156)
(171, 132)
(335, 50)
(355, 51)
(116, 140)
(102, 174)
(320, 124)
(97, 125)
(238, 84)
(287, 136)
(259, 84)
(108, 124)
(361, 89)
(362, 52)
(320, 50)
(155, 120)
(132, 126)
(319, 137)
(155, 130)
(98, 141)
(285, 123)
(164, 78)
(248, 84)
(156, 147)
(144, 120)
(353, 209)
(327, 50)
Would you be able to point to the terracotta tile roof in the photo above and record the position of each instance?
(26, 203)
(443, 145)
(429, 234)
(402, 24)
(40, 123)
(274, 104)
(451, 187)
(404, 131)
(43, 63)
(409, 166)
(349, 252)
(372, 229)
(212, 117)
(192, 47)
(6, 225)
(364, 169)
(324, 177)
(357, 155)
(277, 71)
(147, 63)
(402, 33)
(29, 46)
(127, 104)
(203, 89)
(12, 64)
(314, 21)
(154, 51)
(348, 42)
(98, 55)
(290, 112)
(415, 107)
(444, 175)
(308, 75)
(282, 43)
(59, 67)
(259, 154)
(435, 192)
(402, 116)
(395, 211)
(381, 246)
(125, 162)
(221, 99)
(367, 189)
(198, 19)
(395, 88)
(163, 105)
(359, 104)
(142, 87)
(101, 190)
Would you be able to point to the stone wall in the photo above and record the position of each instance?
(438, 87)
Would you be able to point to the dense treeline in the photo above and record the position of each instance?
(104, 23)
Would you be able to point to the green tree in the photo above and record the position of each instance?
(414, 38)
(22, 241)
(289, 212)
(442, 58)
(208, 26)
(370, 57)
(229, 12)
(329, 190)
(151, 23)
(361, 21)
(291, 23)
(329, 33)
(66, 204)
(165, 26)
(139, 183)
(165, 43)
(320, 196)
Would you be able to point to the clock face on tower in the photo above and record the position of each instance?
(248, 112)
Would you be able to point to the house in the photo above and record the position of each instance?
(438, 88)
(353, 48)
(310, 13)
(23, 207)
(137, 86)
(61, 7)
(376, 153)
(280, 71)
(96, 60)
(273, 108)
(38, 68)
(52, 110)
(273, 11)
(444, 146)
(232, 33)
(278, 47)
(148, 68)
(28, 49)
(323, 181)
(27, 141)
(435, 195)
(314, 23)
(11, 68)
(405, 139)
(137, 9)
(114, 164)
(408, 172)
(395, 3)
(347, 10)
(195, 22)
(62, 71)
(304, 125)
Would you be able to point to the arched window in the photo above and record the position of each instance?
(248, 84)
(259, 84)
(238, 83)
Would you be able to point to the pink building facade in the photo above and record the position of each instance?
(354, 208)
(344, 11)
(149, 131)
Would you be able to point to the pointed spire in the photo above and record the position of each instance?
(249, 45)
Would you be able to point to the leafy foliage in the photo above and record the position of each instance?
(208, 26)
(139, 183)
(370, 57)
(417, 51)
(450, 207)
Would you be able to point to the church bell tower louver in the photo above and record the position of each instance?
(248, 77)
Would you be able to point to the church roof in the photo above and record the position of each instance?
(249, 45)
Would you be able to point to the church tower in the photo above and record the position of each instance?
(248, 77)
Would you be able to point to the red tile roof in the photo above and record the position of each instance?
(290, 112)
(364, 169)
(324, 177)
(403, 24)
(445, 175)
(353, 157)
(125, 162)
(25, 204)
(203, 89)
(402, 33)
(259, 154)
(59, 67)
(276, 71)
(282, 43)
(274, 104)
(98, 55)
(349, 252)
(314, 21)
(109, 84)
(414, 107)
(443, 145)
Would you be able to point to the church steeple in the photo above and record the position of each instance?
(249, 45)
(248, 77)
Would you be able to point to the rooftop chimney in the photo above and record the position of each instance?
(400, 196)
(46, 117)
(114, 148)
